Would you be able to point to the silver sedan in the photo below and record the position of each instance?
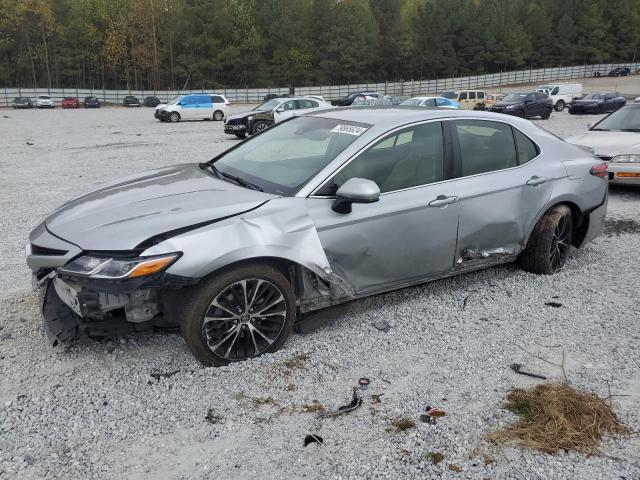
(319, 210)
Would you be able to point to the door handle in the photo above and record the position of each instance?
(442, 200)
(535, 180)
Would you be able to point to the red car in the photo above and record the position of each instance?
(70, 102)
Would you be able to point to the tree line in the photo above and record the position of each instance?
(171, 44)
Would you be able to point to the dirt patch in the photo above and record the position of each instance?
(621, 226)
(401, 424)
(557, 417)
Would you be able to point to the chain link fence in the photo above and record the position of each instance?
(400, 89)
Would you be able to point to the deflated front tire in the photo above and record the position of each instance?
(236, 314)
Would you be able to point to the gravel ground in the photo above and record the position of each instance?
(141, 407)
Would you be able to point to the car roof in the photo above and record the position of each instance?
(391, 117)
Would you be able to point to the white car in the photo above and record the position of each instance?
(269, 113)
(616, 139)
(436, 102)
(561, 94)
(45, 101)
(196, 106)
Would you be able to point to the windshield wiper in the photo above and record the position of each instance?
(239, 180)
(630, 129)
(599, 129)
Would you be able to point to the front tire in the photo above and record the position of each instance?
(238, 314)
(548, 246)
(174, 117)
(259, 127)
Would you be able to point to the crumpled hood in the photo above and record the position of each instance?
(248, 113)
(608, 143)
(122, 215)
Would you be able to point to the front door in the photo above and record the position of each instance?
(285, 110)
(502, 189)
(410, 233)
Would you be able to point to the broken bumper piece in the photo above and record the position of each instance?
(72, 307)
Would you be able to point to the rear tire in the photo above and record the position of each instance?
(548, 246)
(231, 301)
(218, 115)
(559, 106)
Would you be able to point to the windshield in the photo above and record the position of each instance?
(412, 101)
(593, 96)
(283, 158)
(515, 97)
(174, 101)
(44, 97)
(268, 106)
(626, 119)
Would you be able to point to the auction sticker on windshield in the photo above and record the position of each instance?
(349, 129)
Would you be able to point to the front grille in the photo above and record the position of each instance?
(237, 121)
(38, 250)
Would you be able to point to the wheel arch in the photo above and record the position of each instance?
(580, 221)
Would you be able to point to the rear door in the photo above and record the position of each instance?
(503, 184)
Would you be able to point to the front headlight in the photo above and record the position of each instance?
(511, 106)
(117, 268)
(627, 158)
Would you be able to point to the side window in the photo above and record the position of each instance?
(430, 103)
(216, 99)
(530, 97)
(472, 95)
(410, 157)
(204, 99)
(306, 104)
(290, 105)
(188, 101)
(463, 96)
(527, 150)
(555, 91)
(441, 101)
(485, 146)
(481, 95)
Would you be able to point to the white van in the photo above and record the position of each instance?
(561, 93)
(195, 106)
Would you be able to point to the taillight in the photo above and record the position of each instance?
(599, 170)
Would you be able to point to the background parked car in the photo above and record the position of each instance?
(619, 72)
(201, 106)
(269, 113)
(468, 99)
(131, 101)
(525, 104)
(372, 100)
(616, 139)
(562, 93)
(348, 100)
(434, 102)
(151, 101)
(70, 102)
(22, 102)
(489, 100)
(45, 101)
(91, 102)
(598, 102)
(271, 96)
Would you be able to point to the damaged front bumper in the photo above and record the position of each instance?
(74, 306)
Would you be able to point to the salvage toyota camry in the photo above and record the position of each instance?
(319, 210)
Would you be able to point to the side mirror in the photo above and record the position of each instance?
(279, 109)
(355, 190)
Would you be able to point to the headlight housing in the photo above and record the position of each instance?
(627, 158)
(511, 106)
(118, 268)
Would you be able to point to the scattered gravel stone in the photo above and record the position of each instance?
(382, 325)
(5, 336)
